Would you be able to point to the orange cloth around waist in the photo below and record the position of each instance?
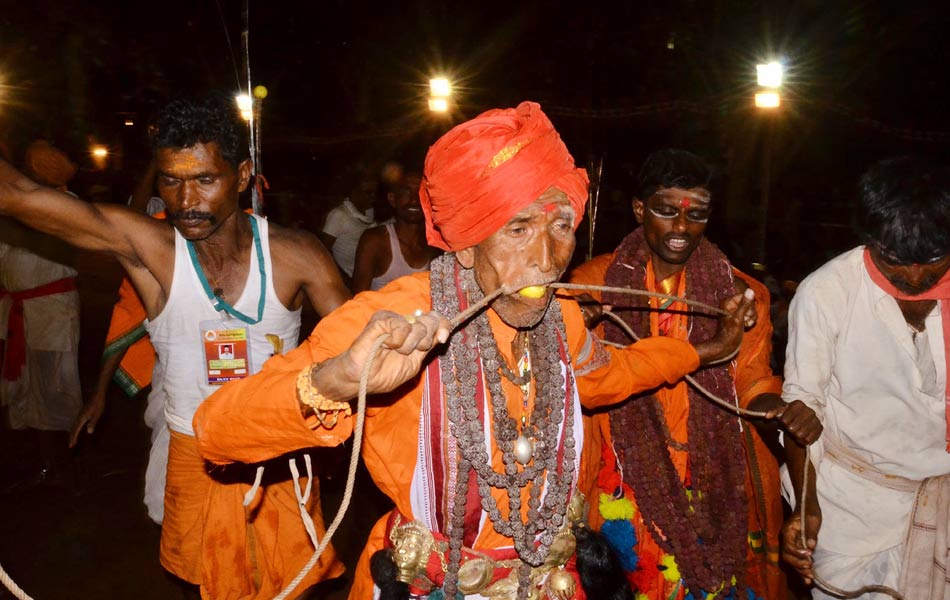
(14, 356)
(238, 553)
(186, 493)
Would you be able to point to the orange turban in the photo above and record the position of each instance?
(49, 165)
(484, 171)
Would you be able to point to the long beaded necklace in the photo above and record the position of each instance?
(475, 353)
(707, 533)
(524, 446)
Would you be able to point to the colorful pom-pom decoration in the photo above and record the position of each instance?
(671, 571)
(612, 509)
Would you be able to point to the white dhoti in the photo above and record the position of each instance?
(917, 568)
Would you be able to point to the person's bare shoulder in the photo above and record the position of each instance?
(297, 249)
(375, 237)
(303, 264)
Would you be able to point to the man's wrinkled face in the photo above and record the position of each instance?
(673, 222)
(910, 278)
(199, 187)
(534, 247)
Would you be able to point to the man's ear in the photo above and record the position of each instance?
(466, 257)
(244, 174)
(638, 209)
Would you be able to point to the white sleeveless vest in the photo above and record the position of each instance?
(176, 333)
(398, 267)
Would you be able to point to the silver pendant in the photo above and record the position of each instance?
(523, 450)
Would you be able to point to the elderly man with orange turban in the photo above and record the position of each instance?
(478, 442)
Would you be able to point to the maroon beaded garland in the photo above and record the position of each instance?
(708, 534)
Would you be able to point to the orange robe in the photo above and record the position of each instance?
(236, 552)
(259, 417)
(753, 376)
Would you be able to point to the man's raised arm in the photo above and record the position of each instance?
(94, 227)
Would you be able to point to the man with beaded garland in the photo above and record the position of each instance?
(477, 444)
(686, 495)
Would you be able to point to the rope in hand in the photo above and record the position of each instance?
(821, 583)
(742, 412)
(455, 323)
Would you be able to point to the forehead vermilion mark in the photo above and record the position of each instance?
(184, 161)
(685, 202)
(549, 207)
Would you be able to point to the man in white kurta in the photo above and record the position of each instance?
(44, 394)
(875, 373)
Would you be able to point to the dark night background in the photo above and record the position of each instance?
(347, 83)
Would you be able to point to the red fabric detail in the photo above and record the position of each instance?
(940, 292)
(484, 171)
(473, 510)
(14, 356)
(665, 322)
(608, 478)
(473, 499)
(437, 439)
(571, 567)
(473, 502)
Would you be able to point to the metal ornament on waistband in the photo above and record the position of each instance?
(413, 546)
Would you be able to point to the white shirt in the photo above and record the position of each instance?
(346, 223)
(852, 358)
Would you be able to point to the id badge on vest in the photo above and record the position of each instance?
(227, 350)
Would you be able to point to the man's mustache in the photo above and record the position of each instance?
(913, 290)
(190, 215)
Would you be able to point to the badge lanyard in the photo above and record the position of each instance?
(220, 304)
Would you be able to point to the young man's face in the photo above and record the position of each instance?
(911, 279)
(199, 187)
(533, 247)
(673, 222)
(405, 201)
